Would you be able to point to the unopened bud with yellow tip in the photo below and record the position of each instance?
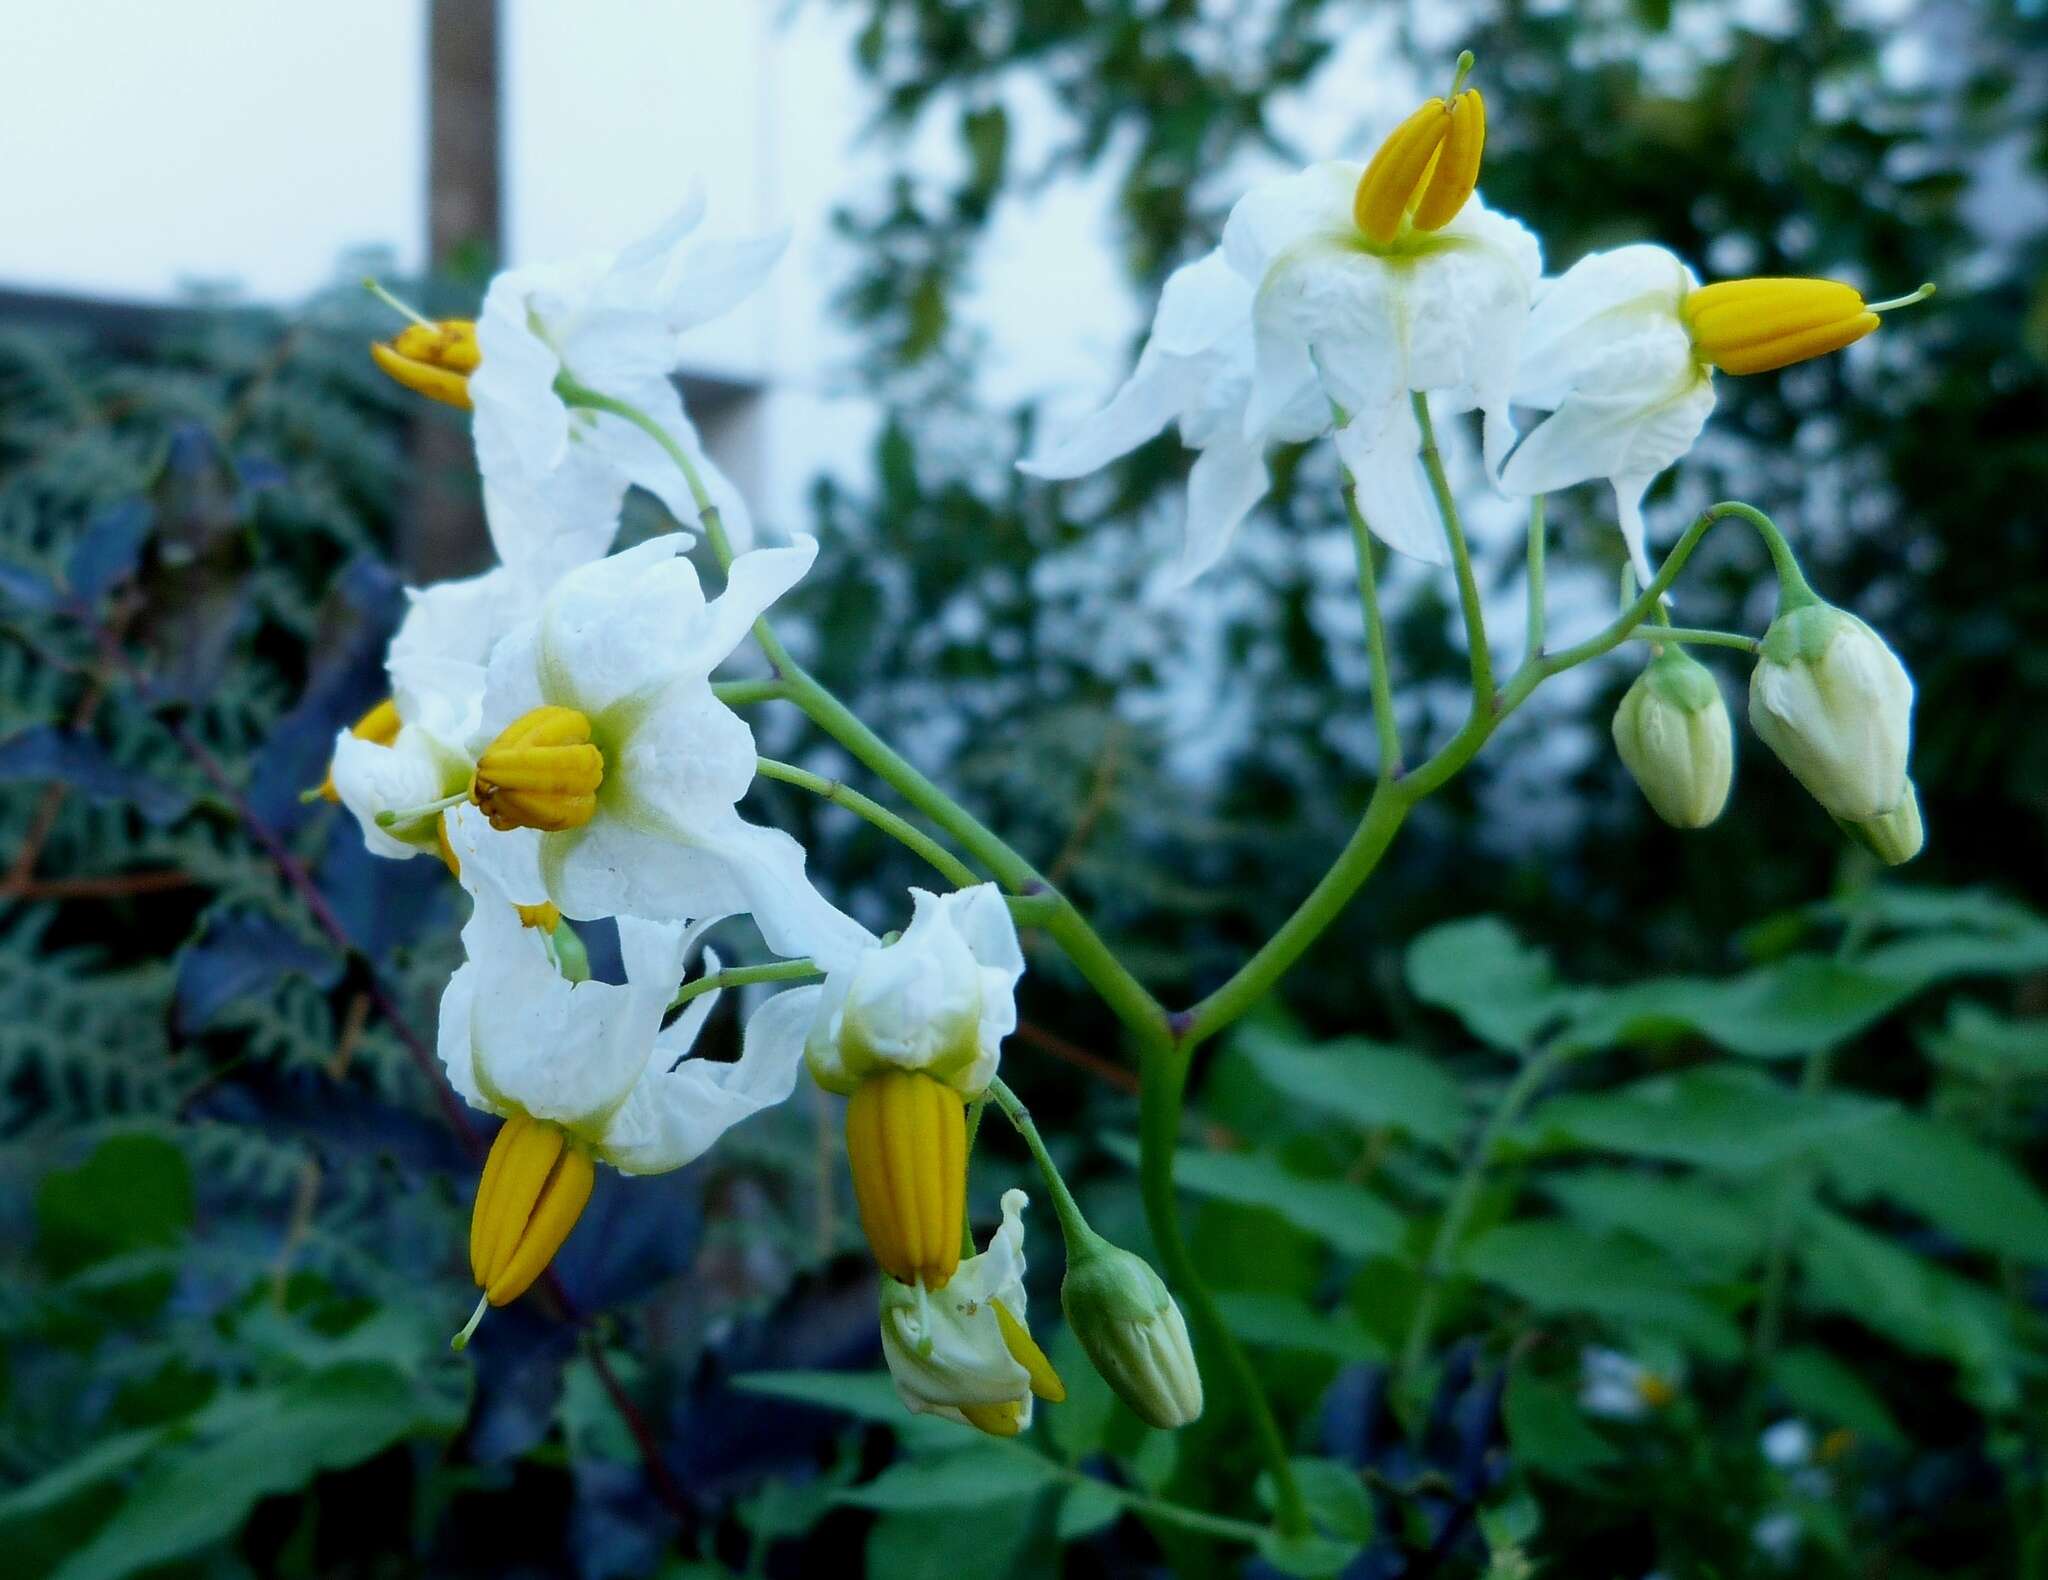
(1427, 168)
(541, 772)
(1757, 325)
(535, 1186)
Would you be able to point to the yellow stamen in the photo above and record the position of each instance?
(1024, 1350)
(379, 727)
(906, 1140)
(1756, 325)
(547, 916)
(434, 360)
(1656, 1390)
(998, 1420)
(541, 772)
(534, 1187)
(1427, 168)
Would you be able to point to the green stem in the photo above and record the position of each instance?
(1072, 1224)
(740, 693)
(1375, 636)
(1464, 1196)
(1686, 633)
(954, 870)
(1539, 539)
(740, 976)
(1793, 591)
(1461, 558)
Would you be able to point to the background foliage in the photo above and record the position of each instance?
(1680, 1213)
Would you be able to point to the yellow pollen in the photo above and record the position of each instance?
(534, 1187)
(434, 360)
(379, 727)
(541, 772)
(906, 1142)
(1024, 1350)
(1425, 171)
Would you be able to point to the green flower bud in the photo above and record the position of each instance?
(1132, 1330)
(1673, 734)
(1895, 838)
(1836, 705)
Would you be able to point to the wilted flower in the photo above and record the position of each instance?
(965, 1352)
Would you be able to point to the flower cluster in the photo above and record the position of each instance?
(555, 737)
(1343, 296)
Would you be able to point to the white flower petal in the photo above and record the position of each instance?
(673, 1116)
(1382, 447)
(1149, 399)
(509, 862)
(1603, 297)
(415, 770)
(1226, 481)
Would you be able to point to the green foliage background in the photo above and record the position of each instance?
(1717, 1115)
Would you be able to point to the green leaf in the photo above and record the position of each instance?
(1704, 1226)
(939, 1544)
(1353, 1221)
(1846, 1269)
(1777, 1011)
(104, 1459)
(1820, 1386)
(968, 1478)
(270, 1441)
(1549, 1432)
(1088, 1507)
(1740, 1120)
(1336, 1498)
(1309, 1556)
(1988, 1047)
(1947, 1177)
(869, 1395)
(1282, 1322)
(1505, 992)
(1368, 1084)
(1558, 1267)
(134, 1193)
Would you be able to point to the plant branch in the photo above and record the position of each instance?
(1461, 558)
(951, 867)
(1539, 613)
(1384, 723)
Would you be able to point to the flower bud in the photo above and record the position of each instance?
(1895, 838)
(1673, 735)
(1836, 705)
(1134, 1333)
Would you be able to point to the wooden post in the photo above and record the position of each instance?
(446, 535)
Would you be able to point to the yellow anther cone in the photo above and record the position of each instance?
(1425, 171)
(998, 1420)
(379, 727)
(541, 772)
(906, 1140)
(535, 1185)
(1754, 326)
(434, 360)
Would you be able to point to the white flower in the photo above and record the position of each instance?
(949, 1351)
(417, 768)
(612, 324)
(518, 1038)
(1435, 310)
(1609, 356)
(1196, 369)
(940, 1000)
(629, 643)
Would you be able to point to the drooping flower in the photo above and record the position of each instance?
(965, 1353)
(612, 324)
(1621, 350)
(584, 1073)
(610, 771)
(908, 1032)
